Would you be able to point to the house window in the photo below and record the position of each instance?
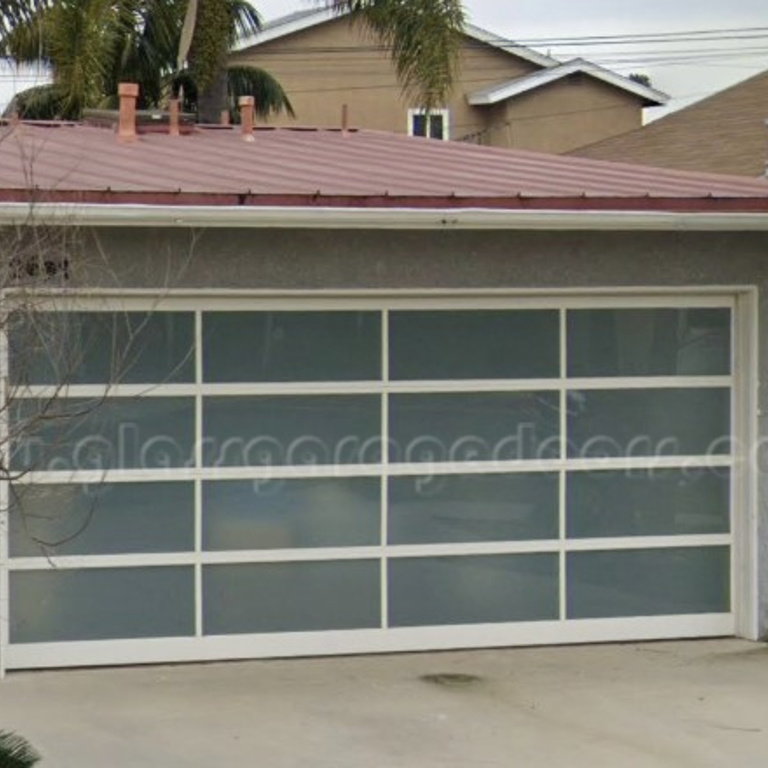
(432, 124)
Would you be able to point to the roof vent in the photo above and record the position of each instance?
(126, 126)
(247, 109)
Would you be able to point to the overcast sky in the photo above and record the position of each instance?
(725, 62)
(709, 67)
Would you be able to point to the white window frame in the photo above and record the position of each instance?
(444, 113)
(742, 620)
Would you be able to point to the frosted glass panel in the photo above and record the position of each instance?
(477, 344)
(291, 346)
(472, 590)
(648, 502)
(465, 508)
(291, 597)
(118, 433)
(102, 519)
(648, 582)
(474, 427)
(664, 422)
(288, 514)
(265, 431)
(649, 342)
(101, 604)
(103, 347)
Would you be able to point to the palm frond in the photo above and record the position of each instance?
(16, 752)
(22, 34)
(244, 20)
(267, 92)
(424, 37)
(43, 102)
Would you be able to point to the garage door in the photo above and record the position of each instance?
(284, 477)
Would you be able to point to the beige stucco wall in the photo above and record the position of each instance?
(563, 115)
(339, 62)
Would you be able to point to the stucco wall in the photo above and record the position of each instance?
(242, 259)
(563, 115)
(338, 63)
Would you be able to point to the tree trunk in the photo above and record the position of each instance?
(213, 99)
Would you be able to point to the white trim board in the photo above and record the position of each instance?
(392, 640)
(278, 217)
(298, 22)
(520, 85)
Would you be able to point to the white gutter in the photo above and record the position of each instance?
(64, 214)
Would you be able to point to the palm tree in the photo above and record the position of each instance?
(423, 36)
(183, 44)
(15, 752)
(91, 45)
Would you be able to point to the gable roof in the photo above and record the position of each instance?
(75, 163)
(301, 20)
(519, 85)
(724, 133)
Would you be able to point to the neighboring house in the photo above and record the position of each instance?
(560, 356)
(724, 133)
(507, 95)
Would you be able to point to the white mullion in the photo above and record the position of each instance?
(365, 553)
(97, 391)
(226, 299)
(375, 470)
(5, 496)
(650, 542)
(563, 586)
(384, 573)
(370, 387)
(198, 481)
(652, 382)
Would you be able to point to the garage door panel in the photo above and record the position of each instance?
(290, 430)
(648, 502)
(473, 590)
(649, 422)
(478, 426)
(649, 342)
(101, 603)
(59, 519)
(291, 513)
(477, 344)
(648, 582)
(439, 509)
(291, 597)
(291, 346)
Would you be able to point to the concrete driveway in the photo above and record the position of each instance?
(657, 704)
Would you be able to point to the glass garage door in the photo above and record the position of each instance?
(260, 480)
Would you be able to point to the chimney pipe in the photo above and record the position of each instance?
(173, 117)
(126, 127)
(766, 164)
(224, 118)
(345, 120)
(246, 104)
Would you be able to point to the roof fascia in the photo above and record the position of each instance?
(375, 218)
(539, 79)
(278, 30)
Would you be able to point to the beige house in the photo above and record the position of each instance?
(507, 95)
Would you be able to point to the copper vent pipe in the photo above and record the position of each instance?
(126, 126)
(173, 117)
(247, 108)
(224, 118)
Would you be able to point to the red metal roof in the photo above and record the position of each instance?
(66, 161)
